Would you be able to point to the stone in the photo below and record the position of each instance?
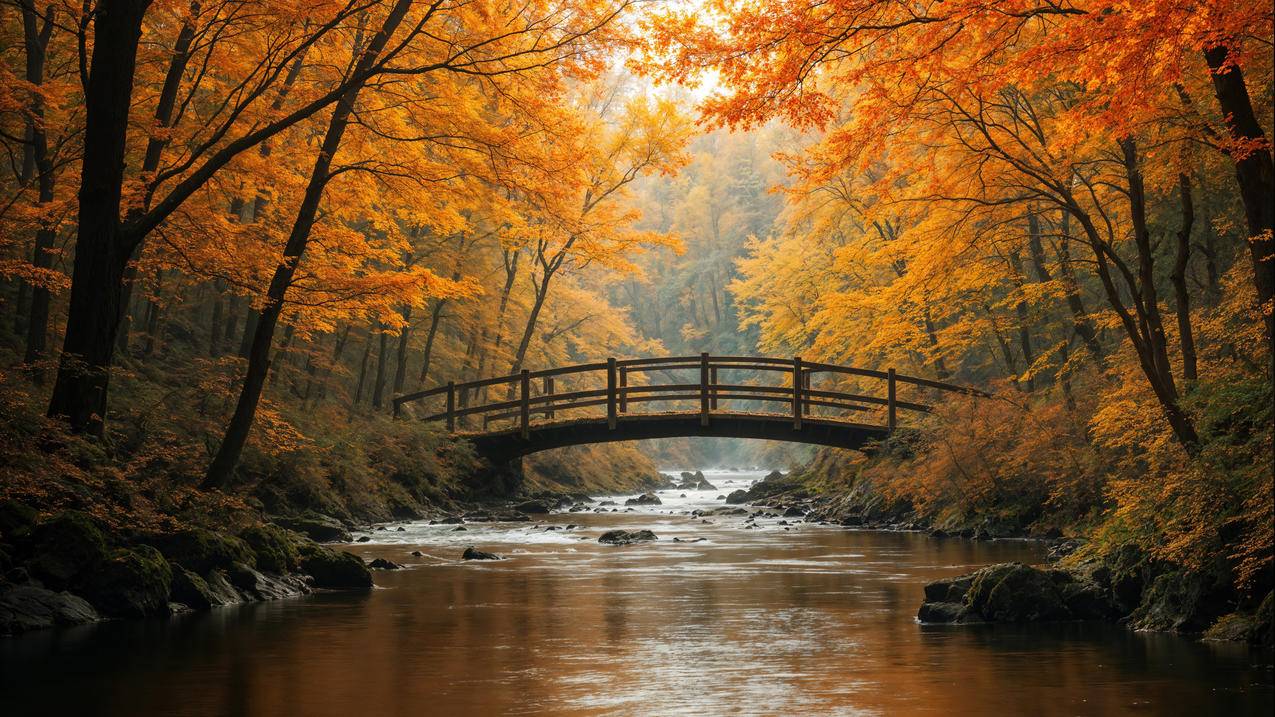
(29, 607)
(65, 548)
(938, 612)
(794, 512)
(1184, 602)
(644, 499)
(383, 564)
(259, 586)
(472, 553)
(220, 591)
(130, 583)
(1013, 592)
(202, 550)
(533, 507)
(625, 537)
(737, 496)
(16, 518)
(334, 568)
(191, 590)
(417, 554)
(364, 539)
(317, 527)
(274, 548)
(724, 510)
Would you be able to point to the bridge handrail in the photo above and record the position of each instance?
(618, 394)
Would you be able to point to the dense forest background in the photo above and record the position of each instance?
(232, 232)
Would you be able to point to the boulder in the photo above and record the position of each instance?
(932, 612)
(644, 499)
(1013, 592)
(317, 527)
(736, 497)
(533, 507)
(65, 548)
(472, 553)
(794, 512)
(334, 568)
(273, 548)
(130, 583)
(220, 591)
(258, 586)
(16, 518)
(202, 550)
(1184, 602)
(625, 537)
(28, 607)
(191, 590)
(724, 510)
(383, 564)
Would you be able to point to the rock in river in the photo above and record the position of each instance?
(383, 564)
(532, 506)
(736, 497)
(472, 553)
(625, 537)
(644, 499)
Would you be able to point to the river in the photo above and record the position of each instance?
(770, 620)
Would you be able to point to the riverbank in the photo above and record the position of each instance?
(1081, 581)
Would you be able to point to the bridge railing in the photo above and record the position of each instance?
(531, 394)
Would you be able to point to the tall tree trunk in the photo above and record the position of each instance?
(218, 310)
(378, 389)
(102, 247)
(1081, 323)
(1178, 277)
(367, 353)
(1024, 320)
(223, 464)
(36, 39)
(434, 317)
(1255, 173)
(400, 356)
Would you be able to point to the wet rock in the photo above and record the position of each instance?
(736, 497)
(364, 539)
(1184, 602)
(383, 564)
(851, 521)
(317, 527)
(689, 540)
(607, 502)
(932, 612)
(721, 497)
(459, 529)
(191, 590)
(644, 499)
(417, 554)
(472, 553)
(130, 583)
(724, 510)
(453, 520)
(625, 537)
(794, 512)
(534, 507)
(258, 586)
(334, 568)
(220, 591)
(29, 607)
(16, 519)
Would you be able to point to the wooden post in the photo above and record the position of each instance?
(548, 385)
(524, 410)
(890, 419)
(704, 407)
(624, 383)
(611, 404)
(451, 405)
(712, 378)
(796, 393)
(805, 387)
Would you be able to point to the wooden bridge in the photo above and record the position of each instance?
(538, 410)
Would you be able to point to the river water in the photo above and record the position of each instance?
(769, 620)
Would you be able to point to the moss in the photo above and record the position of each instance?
(202, 550)
(334, 568)
(64, 548)
(190, 590)
(1013, 592)
(130, 583)
(275, 548)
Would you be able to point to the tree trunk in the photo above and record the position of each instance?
(1178, 277)
(36, 159)
(400, 356)
(223, 464)
(378, 389)
(1255, 173)
(102, 248)
(435, 315)
(367, 352)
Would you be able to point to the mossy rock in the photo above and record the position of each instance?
(274, 547)
(132, 582)
(1013, 592)
(16, 518)
(334, 568)
(317, 527)
(202, 550)
(1186, 602)
(190, 589)
(65, 548)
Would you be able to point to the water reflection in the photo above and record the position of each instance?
(810, 620)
